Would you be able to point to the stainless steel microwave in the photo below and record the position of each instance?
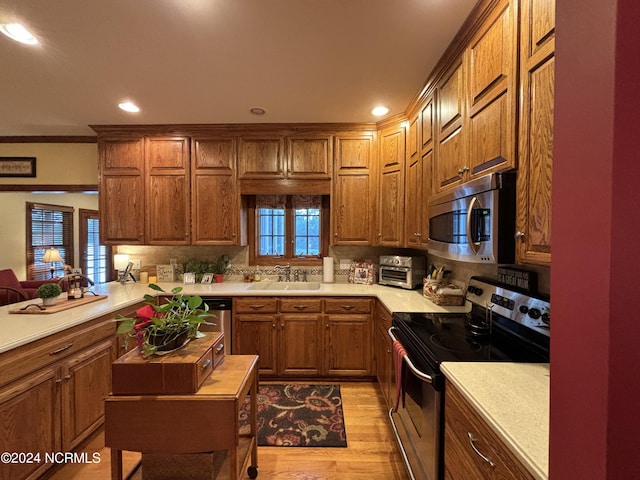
(475, 222)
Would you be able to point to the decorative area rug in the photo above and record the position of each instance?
(297, 415)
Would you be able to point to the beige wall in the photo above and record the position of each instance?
(56, 164)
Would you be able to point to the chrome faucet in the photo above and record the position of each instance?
(287, 275)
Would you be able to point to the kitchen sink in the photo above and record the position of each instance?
(283, 286)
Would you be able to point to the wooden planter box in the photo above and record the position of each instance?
(182, 371)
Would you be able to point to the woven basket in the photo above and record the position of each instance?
(431, 292)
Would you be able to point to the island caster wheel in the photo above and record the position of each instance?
(252, 472)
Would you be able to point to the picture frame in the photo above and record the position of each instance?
(165, 273)
(18, 167)
(362, 273)
(207, 278)
(189, 278)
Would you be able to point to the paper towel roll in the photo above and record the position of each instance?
(327, 269)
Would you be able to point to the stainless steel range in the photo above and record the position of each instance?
(504, 325)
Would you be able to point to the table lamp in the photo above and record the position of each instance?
(51, 255)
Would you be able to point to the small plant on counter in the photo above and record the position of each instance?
(193, 265)
(219, 265)
(48, 292)
(168, 325)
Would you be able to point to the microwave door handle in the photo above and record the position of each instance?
(474, 246)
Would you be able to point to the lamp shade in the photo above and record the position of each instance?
(120, 261)
(51, 255)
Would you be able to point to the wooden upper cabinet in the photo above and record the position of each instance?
(261, 157)
(309, 156)
(168, 201)
(391, 186)
(214, 200)
(122, 196)
(353, 201)
(492, 58)
(451, 154)
(537, 73)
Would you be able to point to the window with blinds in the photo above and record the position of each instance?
(289, 226)
(95, 258)
(48, 226)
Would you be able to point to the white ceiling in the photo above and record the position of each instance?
(210, 61)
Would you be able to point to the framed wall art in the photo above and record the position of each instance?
(362, 272)
(17, 166)
(207, 278)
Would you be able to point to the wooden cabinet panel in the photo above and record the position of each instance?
(255, 305)
(353, 221)
(467, 437)
(122, 200)
(427, 118)
(383, 348)
(300, 352)
(391, 187)
(30, 413)
(451, 103)
(168, 199)
(257, 335)
(347, 305)
(300, 305)
(348, 345)
(448, 172)
(492, 60)
(87, 382)
(310, 157)
(214, 198)
(261, 157)
(537, 67)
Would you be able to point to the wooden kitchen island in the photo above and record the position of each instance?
(204, 424)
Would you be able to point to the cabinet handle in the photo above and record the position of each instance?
(327, 325)
(62, 349)
(256, 307)
(66, 377)
(460, 171)
(219, 348)
(206, 363)
(519, 235)
(475, 449)
(273, 325)
(300, 307)
(347, 307)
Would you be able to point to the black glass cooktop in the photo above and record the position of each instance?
(448, 338)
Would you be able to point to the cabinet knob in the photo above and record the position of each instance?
(519, 235)
(460, 171)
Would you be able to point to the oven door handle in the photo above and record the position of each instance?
(474, 246)
(421, 375)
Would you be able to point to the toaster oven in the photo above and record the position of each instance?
(403, 272)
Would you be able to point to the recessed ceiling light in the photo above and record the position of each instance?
(17, 32)
(258, 111)
(129, 107)
(379, 111)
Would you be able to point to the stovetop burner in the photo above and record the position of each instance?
(454, 344)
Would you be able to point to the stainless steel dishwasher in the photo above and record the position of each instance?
(221, 308)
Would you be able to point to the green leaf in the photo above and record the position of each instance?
(155, 287)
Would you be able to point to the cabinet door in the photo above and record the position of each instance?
(86, 383)
(491, 65)
(214, 196)
(391, 187)
(354, 190)
(348, 345)
(167, 193)
(413, 187)
(30, 413)
(533, 224)
(122, 199)
(309, 157)
(261, 157)
(258, 335)
(383, 354)
(300, 344)
(451, 149)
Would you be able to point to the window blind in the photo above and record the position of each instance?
(48, 226)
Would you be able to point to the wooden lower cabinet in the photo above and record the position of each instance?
(471, 448)
(383, 353)
(305, 337)
(52, 393)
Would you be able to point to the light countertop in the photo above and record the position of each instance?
(17, 330)
(513, 398)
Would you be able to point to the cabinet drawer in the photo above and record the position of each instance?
(255, 305)
(204, 366)
(347, 305)
(467, 437)
(218, 352)
(300, 305)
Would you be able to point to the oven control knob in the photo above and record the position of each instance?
(523, 309)
(474, 290)
(546, 318)
(534, 313)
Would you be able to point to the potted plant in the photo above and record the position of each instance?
(49, 293)
(195, 266)
(166, 325)
(219, 267)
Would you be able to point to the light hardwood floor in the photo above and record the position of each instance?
(371, 453)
